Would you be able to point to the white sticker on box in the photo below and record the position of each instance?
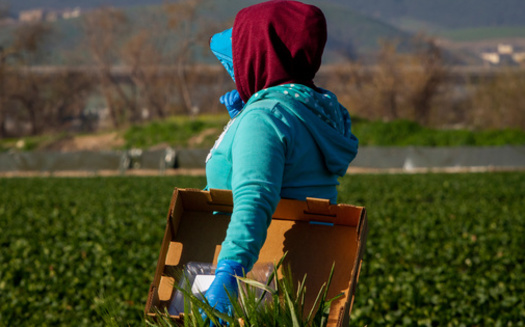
(201, 284)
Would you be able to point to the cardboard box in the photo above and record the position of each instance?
(314, 234)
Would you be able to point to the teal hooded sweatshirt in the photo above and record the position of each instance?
(291, 140)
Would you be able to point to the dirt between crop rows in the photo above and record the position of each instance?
(98, 142)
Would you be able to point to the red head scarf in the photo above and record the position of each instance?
(277, 42)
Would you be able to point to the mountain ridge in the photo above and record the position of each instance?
(444, 13)
(355, 27)
(350, 35)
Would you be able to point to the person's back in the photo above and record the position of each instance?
(287, 139)
(316, 147)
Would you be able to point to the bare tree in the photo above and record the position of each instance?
(160, 70)
(24, 90)
(44, 101)
(4, 9)
(190, 31)
(398, 86)
(21, 85)
(2, 93)
(387, 80)
(67, 94)
(146, 60)
(104, 29)
(499, 102)
(425, 73)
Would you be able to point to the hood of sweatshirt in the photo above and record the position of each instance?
(325, 118)
(274, 42)
(277, 42)
(273, 52)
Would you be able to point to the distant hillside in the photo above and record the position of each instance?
(444, 14)
(350, 34)
(18, 5)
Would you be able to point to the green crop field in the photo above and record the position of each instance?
(442, 249)
(203, 130)
(484, 33)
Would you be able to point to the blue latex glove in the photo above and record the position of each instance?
(233, 102)
(224, 282)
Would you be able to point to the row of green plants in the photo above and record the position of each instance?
(442, 249)
(202, 131)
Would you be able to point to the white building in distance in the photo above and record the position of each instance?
(40, 15)
(505, 54)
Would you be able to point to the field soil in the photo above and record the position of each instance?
(98, 142)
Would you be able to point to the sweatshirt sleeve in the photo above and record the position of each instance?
(258, 159)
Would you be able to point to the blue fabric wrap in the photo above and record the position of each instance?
(221, 47)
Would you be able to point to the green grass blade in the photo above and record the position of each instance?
(273, 277)
(259, 285)
(301, 291)
(241, 308)
(316, 302)
(321, 317)
(293, 311)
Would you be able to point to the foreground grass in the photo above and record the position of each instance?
(442, 250)
(277, 302)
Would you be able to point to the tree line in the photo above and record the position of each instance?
(161, 80)
(420, 86)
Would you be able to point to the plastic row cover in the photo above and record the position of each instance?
(368, 157)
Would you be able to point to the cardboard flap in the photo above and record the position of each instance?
(319, 210)
(221, 197)
(319, 207)
(212, 200)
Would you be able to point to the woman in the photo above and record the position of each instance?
(288, 138)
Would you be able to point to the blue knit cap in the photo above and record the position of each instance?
(221, 46)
